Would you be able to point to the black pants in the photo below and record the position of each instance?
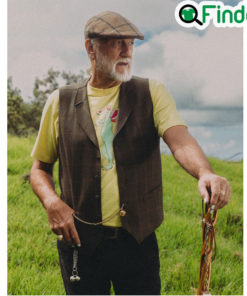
(132, 268)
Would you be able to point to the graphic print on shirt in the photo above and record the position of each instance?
(105, 121)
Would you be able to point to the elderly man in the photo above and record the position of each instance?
(105, 132)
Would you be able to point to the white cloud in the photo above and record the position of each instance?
(212, 116)
(201, 132)
(221, 142)
(216, 148)
(156, 13)
(213, 148)
(199, 70)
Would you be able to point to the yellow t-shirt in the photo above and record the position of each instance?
(104, 112)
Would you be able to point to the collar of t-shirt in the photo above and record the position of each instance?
(102, 92)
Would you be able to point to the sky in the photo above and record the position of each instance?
(203, 70)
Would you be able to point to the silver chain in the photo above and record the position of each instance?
(75, 277)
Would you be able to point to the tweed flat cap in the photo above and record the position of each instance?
(111, 24)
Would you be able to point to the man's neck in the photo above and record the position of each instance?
(100, 81)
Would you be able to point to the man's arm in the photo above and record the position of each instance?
(59, 213)
(190, 156)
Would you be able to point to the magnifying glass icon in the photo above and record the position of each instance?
(190, 15)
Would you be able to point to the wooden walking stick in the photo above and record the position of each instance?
(209, 218)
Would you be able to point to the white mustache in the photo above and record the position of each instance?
(123, 60)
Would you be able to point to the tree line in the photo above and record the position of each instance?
(24, 116)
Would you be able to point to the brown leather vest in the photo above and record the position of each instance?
(137, 155)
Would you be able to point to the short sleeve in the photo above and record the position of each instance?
(164, 108)
(46, 145)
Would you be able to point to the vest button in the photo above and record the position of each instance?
(122, 213)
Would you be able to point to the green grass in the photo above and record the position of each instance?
(33, 267)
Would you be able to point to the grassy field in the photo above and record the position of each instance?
(33, 267)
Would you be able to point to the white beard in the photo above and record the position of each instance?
(122, 77)
(109, 68)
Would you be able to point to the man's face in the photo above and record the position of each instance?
(113, 58)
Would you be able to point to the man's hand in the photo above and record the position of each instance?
(214, 189)
(59, 213)
(62, 222)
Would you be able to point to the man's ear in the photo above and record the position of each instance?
(90, 49)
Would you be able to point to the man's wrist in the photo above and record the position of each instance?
(49, 202)
(204, 171)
